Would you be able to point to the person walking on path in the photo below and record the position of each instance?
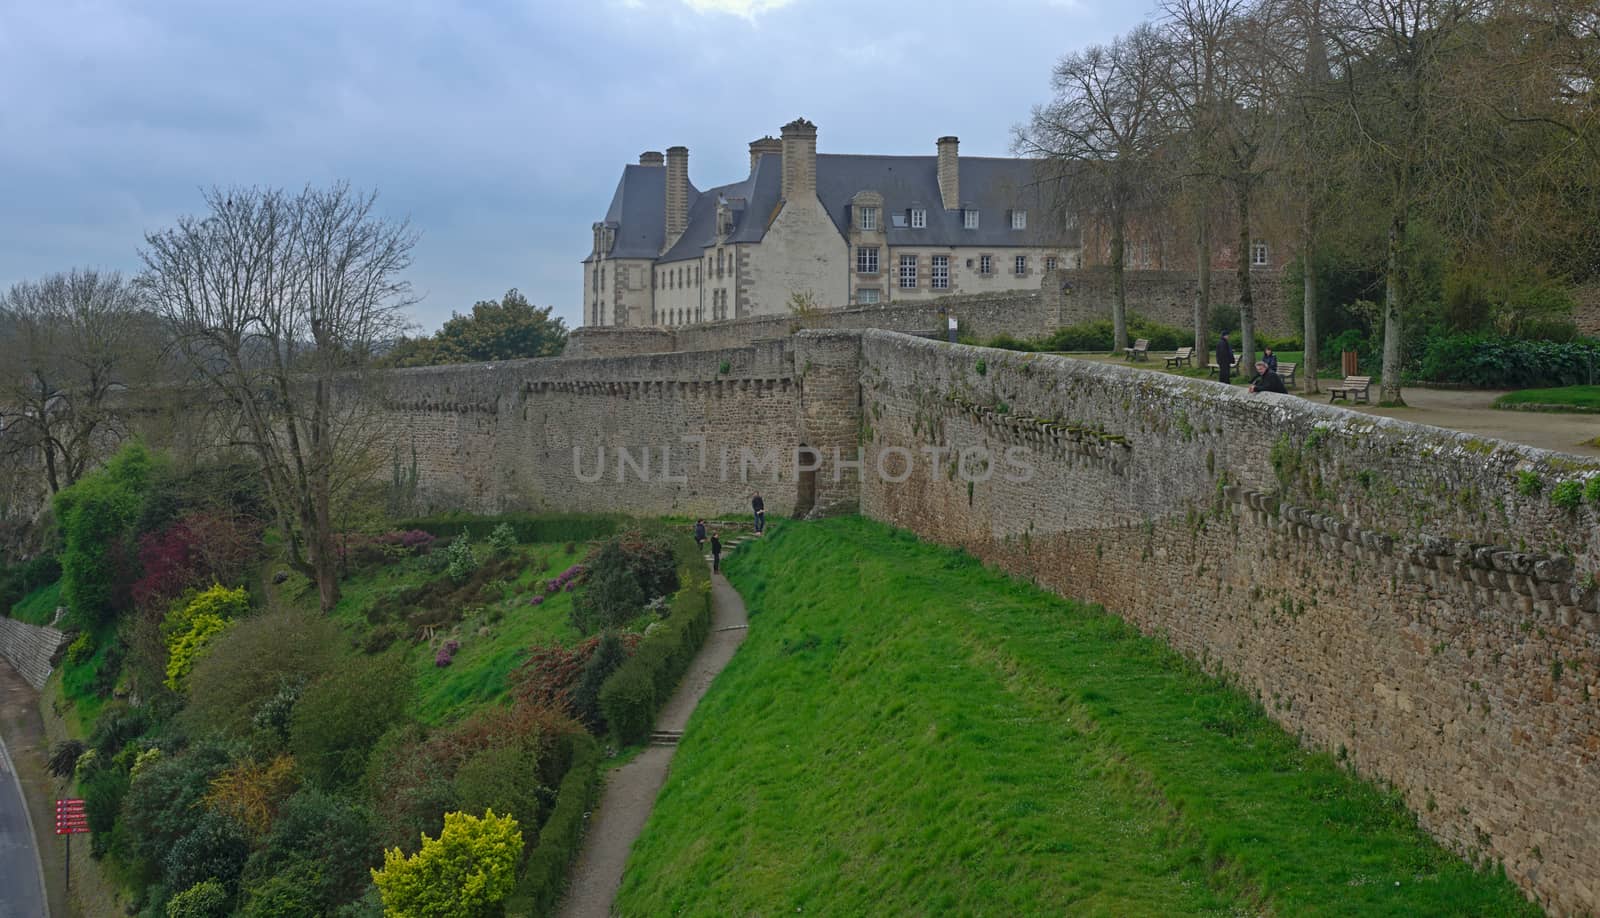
(1267, 380)
(716, 555)
(759, 507)
(1224, 359)
(700, 532)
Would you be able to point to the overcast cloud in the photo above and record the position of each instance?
(499, 128)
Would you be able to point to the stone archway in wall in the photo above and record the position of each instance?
(805, 497)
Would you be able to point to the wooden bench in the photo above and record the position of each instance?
(1139, 351)
(1184, 357)
(1286, 373)
(1354, 388)
(1232, 370)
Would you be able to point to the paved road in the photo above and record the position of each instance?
(21, 878)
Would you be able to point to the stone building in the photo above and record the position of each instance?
(839, 229)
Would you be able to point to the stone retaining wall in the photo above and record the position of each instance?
(1407, 598)
(29, 649)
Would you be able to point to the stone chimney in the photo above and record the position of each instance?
(677, 193)
(799, 160)
(650, 158)
(765, 145)
(949, 173)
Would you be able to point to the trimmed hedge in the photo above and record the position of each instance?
(633, 694)
(529, 527)
(544, 875)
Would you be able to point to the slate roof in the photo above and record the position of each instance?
(992, 185)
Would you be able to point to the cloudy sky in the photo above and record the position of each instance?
(499, 128)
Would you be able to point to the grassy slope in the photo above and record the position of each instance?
(478, 672)
(1580, 399)
(905, 732)
(38, 607)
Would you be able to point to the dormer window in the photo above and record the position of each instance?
(1019, 219)
(898, 221)
(868, 219)
(969, 218)
(919, 218)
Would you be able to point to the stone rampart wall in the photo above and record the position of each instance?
(29, 649)
(1393, 593)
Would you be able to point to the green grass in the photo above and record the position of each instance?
(906, 732)
(38, 607)
(1574, 399)
(477, 674)
(494, 635)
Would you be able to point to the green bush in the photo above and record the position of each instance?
(97, 516)
(628, 570)
(609, 654)
(188, 646)
(341, 716)
(1505, 363)
(503, 779)
(1568, 495)
(164, 797)
(19, 580)
(1529, 484)
(249, 664)
(316, 857)
(460, 561)
(215, 848)
(206, 899)
(467, 871)
(544, 876)
(1591, 490)
(503, 539)
(630, 698)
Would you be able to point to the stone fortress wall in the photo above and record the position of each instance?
(1166, 297)
(1406, 597)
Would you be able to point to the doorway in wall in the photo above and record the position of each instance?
(806, 496)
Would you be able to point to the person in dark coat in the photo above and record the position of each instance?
(716, 554)
(1267, 380)
(759, 507)
(1224, 359)
(699, 532)
(1270, 359)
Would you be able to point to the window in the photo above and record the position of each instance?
(869, 295)
(919, 218)
(867, 259)
(969, 219)
(898, 221)
(1019, 219)
(941, 272)
(1022, 264)
(985, 264)
(908, 271)
(1258, 253)
(1049, 262)
(869, 219)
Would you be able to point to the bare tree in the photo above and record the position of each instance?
(278, 303)
(1194, 36)
(1098, 134)
(71, 342)
(1401, 107)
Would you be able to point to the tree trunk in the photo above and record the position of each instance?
(50, 466)
(1202, 291)
(1247, 307)
(1308, 243)
(1119, 291)
(1389, 385)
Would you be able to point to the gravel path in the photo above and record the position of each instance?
(631, 790)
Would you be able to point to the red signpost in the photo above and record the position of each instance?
(70, 820)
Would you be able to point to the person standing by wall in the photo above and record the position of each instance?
(759, 507)
(1224, 359)
(700, 532)
(716, 554)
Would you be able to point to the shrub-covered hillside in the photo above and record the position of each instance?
(432, 742)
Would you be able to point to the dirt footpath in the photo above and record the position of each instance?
(1469, 410)
(23, 731)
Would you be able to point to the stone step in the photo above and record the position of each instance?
(665, 737)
